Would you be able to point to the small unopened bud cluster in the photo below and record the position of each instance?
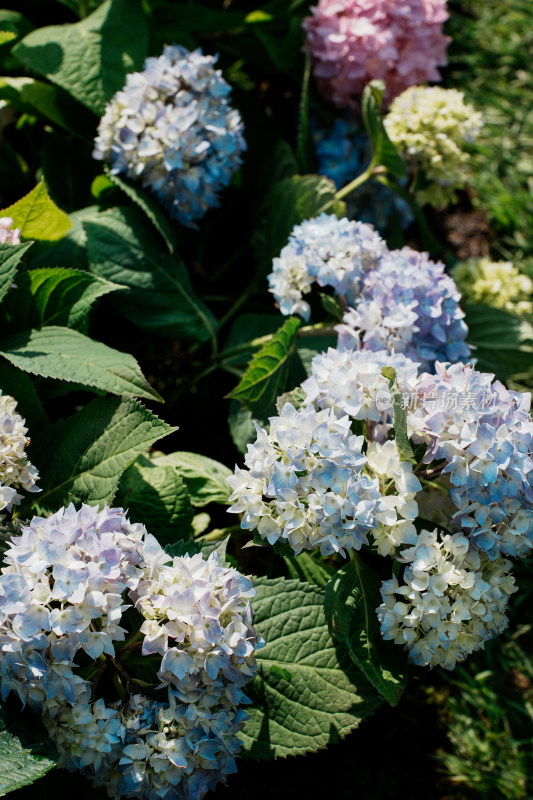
(67, 582)
(16, 472)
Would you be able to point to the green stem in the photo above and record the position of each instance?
(83, 8)
(362, 178)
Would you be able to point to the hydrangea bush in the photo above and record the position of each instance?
(162, 614)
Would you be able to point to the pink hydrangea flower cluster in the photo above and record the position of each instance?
(355, 41)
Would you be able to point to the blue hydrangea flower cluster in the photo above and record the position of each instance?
(327, 251)
(449, 602)
(344, 152)
(482, 436)
(304, 484)
(396, 300)
(407, 305)
(67, 581)
(173, 129)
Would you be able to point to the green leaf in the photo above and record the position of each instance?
(326, 697)
(241, 426)
(206, 479)
(10, 255)
(304, 567)
(26, 750)
(82, 458)
(55, 296)
(267, 372)
(157, 496)
(71, 249)
(55, 352)
(239, 347)
(31, 96)
(332, 306)
(399, 416)
(7, 36)
(91, 58)
(352, 596)
(503, 343)
(153, 211)
(383, 149)
(123, 249)
(20, 386)
(193, 546)
(38, 217)
(289, 202)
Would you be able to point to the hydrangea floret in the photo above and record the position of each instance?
(16, 471)
(449, 602)
(8, 234)
(495, 283)
(172, 128)
(355, 41)
(66, 583)
(304, 483)
(481, 435)
(432, 127)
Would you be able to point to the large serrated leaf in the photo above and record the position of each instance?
(20, 386)
(153, 211)
(38, 217)
(82, 458)
(91, 58)
(157, 496)
(286, 204)
(266, 375)
(36, 97)
(503, 343)
(205, 478)
(304, 567)
(307, 693)
(383, 149)
(54, 296)
(10, 255)
(124, 248)
(26, 754)
(68, 355)
(352, 597)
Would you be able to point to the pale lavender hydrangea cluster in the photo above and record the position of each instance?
(482, 436)
(395, 300)
(16, 472)
(449, 602)
(407, 304)
(173, 129)
(327, 251)
(354, 41)
(8, 234)
(304, 484)
(67, 582)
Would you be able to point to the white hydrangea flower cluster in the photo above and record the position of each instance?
(431, 127)
(495, 283)
(351, 382)
(399, 487)
(16, 472)
(451, 600)
(482, 436)
(397, 300)
(172, 128)
(67, 582)
(8, 234)
(304, 483)
(328, 251)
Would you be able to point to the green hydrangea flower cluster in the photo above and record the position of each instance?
(430, 126)
(495, 283)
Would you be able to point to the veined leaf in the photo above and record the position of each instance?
(54, 296)
(503, 343)
(38, 217)
(191, 547)
(10, 255)
(206, 479)
(383, 149)
(90, 58)
(399, 415)
(352, 597)
(31, 96)
(153, 211)
(82, 458)
(266, 374)
(55, 352)
(304, 567)
(20, 386)
(124, 248)
(326, 697)
(26, 753)
(157, 496)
